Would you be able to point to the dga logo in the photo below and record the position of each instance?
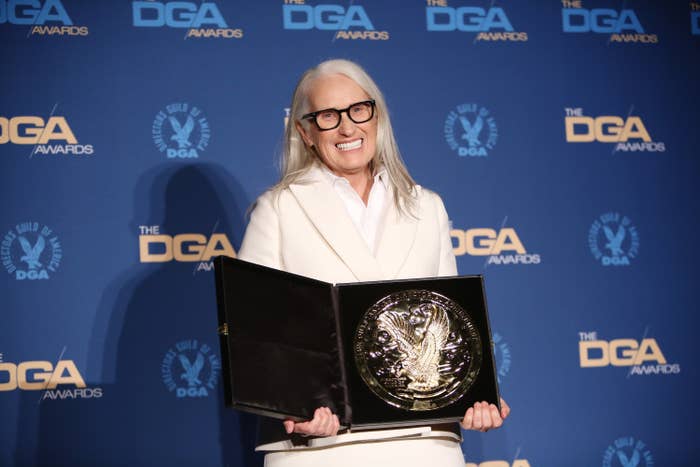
(629, 134)
(37, 14)
(490, 24)
(516, 463)
(190, 369)
(155, 247)
(200, 19)
(643, 357)
(627, 452)
(181, 131)
(41, 375)
(613, 240)
(501, 353)
(45, 136)
(623, 25)
(31, 251)
(695, 18)
(350, 23)
(502, 246)
(471, 130)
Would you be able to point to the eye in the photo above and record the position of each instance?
(359, 109)
(327, 115)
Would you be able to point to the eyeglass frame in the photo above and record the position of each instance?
(312, 115)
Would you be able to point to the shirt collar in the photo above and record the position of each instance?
(381, 175)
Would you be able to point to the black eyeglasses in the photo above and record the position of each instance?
(328, 119)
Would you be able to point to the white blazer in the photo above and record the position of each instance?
(305, 229)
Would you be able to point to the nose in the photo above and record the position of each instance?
(347, 126)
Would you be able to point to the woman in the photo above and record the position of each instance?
(347, 210)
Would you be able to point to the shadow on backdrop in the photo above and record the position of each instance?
(161, 404)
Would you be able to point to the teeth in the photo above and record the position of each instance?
(348, 146)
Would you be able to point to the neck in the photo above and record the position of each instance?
(361, 183)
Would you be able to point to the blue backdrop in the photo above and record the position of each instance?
(135, 135)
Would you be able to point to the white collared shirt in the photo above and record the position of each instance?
(367, 218)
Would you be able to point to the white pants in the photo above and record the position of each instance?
(417, 452)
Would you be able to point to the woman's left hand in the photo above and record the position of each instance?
(484, 416)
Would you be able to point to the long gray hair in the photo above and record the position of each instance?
(297, 158)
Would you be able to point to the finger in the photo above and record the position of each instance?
(319, 422)
(302, 428)
(496, 420)
(468, 419)
(326, 422)
(308, 427)
(477, 423)
(322, 422)
(486, 422)
(333, 423)
(288, 426)
(309, 424)
(505, 409)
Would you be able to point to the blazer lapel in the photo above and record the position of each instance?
(327, 212)
(397, 236)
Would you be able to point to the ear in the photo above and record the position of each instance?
(304, 134)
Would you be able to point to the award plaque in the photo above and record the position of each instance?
(379, 354)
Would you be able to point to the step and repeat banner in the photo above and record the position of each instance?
(135, 135)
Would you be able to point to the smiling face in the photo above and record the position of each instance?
(348, 149)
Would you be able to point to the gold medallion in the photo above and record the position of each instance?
(417, 350)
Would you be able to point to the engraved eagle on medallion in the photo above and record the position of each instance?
(420, 337)
(417, 350)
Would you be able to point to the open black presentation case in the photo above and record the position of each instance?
(287, 345)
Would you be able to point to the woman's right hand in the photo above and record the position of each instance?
(324, 423)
